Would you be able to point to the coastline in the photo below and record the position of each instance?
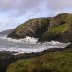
(6, 57)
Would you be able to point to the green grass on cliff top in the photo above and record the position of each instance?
(60, 28)
(49, 62)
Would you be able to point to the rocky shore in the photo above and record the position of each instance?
(6, 58)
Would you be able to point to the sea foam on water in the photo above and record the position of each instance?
(25, 40)
(27, 45)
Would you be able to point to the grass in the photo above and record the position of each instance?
(49, 62)
(60, 28)
(31, 26)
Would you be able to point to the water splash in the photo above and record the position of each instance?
(25, 40)
(27, 45)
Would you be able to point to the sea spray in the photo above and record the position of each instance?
(27, 45)
(25, 40)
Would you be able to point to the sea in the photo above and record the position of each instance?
(27, 45)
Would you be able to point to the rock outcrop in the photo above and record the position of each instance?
(57, 28)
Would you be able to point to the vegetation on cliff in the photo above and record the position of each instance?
(45, 29)
(33, 28)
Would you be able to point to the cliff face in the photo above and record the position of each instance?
(33, 28)
(57, 28)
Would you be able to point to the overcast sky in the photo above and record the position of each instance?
(15, 12)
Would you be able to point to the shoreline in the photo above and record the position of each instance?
(6, 57)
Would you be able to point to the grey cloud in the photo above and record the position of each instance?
(59, 4)
(23, 7)
(18, 5)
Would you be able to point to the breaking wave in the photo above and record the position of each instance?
(27, 45)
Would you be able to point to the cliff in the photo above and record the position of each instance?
(57, 28)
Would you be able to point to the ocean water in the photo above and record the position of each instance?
(27, 45)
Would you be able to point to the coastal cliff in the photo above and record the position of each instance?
(58, 28)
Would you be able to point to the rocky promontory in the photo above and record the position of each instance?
(58, 28)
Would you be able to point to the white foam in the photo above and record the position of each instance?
(38, 48)
(25, 40)
(56, 43)
(32, 45)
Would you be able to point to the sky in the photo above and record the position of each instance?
(16, 12)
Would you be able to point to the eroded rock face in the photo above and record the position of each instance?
(33, 28)
(57, 28)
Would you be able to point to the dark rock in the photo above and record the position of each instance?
(69, 46)
(5, 59)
